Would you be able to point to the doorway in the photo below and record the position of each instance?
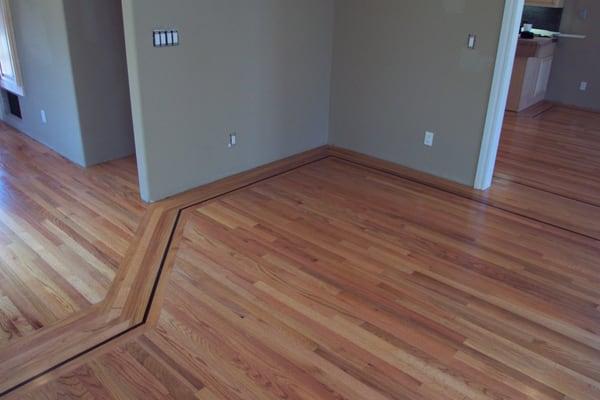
(541, 147)
(69, 196)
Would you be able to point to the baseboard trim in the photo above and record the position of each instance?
(486, 198)
(401, 171)
(574, 107)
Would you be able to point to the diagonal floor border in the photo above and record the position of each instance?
(241, 181)
(138, 312)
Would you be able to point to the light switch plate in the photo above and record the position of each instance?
(165, 38)
(472, 41)
(232, 140)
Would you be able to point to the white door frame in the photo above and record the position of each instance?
(509, 37)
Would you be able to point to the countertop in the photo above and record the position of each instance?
(536, 47)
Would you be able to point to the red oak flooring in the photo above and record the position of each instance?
(339, 282)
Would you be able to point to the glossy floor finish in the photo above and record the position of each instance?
(63, 233)
(549, 167)
(556, 150)
(335, 281)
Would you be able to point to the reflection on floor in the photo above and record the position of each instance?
(63, 232)
(549, 167)
(556, 149)
(336, 281)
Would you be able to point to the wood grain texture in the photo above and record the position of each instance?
(337, 281)
(556, 150)
(126, 304)
(64, 231)
(547, 169)
(549, 166)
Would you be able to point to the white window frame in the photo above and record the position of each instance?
(11, 83)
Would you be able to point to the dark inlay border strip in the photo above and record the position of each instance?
(156, 279)
(181, 210)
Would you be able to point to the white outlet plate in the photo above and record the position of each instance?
(583, 86)
(43, 117)
(429, 136)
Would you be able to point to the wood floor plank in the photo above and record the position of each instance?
(64, 232)
(558, 151)
(136, 284)
(337, 281)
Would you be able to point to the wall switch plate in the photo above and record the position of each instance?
(43, 117)
(165, 38)
(583, 86)
(472, 41)
(232, 140)
(429, 136)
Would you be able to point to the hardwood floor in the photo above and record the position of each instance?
(335, 280)
(552, 155)
(64, 231)
(556, 150)
(126, 309)
(338, 281)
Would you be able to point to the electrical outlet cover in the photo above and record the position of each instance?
(429, 136)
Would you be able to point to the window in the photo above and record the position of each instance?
(10, 74)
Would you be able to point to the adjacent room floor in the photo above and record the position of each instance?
(63, 233)
(337, 281)
(554, 149)
(548, 168)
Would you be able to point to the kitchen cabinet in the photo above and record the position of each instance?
(546, 3)
(531, 73)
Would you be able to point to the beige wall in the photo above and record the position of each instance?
(401, 68)
(578, 60)
(43, 49)
(97, 48)
(263, 69)
(72, 57)
(260, 68)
